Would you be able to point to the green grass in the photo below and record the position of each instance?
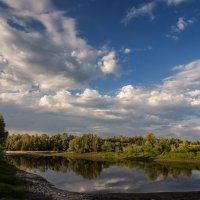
(179, 155)
(96, 155)
(187, 156)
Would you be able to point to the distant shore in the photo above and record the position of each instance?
(101, 156)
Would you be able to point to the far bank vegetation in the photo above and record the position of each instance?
(136, 146)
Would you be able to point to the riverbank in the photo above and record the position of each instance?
(38, 185)
(104, 156)
(90, 156)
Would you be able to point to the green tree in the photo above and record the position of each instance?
(184, 147)
(149, 141)
(3, 132)
(85, 143)
(107, 146)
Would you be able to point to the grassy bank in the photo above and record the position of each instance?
(179, 157)
(96, 155)
(36, 153)
(168, 157)
(90, 156)
(12, 187)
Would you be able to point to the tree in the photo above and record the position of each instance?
(3, 132)
(107, 146)
(184, 147)
(85, 143)
(150, 141)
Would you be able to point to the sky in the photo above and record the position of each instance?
(107, 67)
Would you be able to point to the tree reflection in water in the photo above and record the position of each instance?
(90, 169)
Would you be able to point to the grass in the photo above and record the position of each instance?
(168, 156)
(188, 157)
(179, 155)
(95, 155)
(11, 186)
(91, 155)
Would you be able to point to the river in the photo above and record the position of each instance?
(80, 175)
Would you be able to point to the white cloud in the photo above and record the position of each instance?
(144, 9)
(108, 63)
(194, 93)
(169, 108)
(147, 9)
(197, 128)
(53, 56)
(90, 94)
(187, 78)
(175, 2)
(58, 101)
(180, 26)
(38, 69)
(126, 50)
(31, 6)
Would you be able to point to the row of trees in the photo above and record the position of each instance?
(44, 142)
(86, 143)
(133, 146)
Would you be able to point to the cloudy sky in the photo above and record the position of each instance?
(109, 67)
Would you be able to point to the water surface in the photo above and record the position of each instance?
(81, 175)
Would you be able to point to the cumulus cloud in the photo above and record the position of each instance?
(41, 67)
(50, 54)
(136, 107)
(108, 63)
(31, 6)
(169, 108)
(187, 78)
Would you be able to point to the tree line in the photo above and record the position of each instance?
(135, 145)
(148, 144)
(44, 142)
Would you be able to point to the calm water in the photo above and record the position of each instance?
(104, 176)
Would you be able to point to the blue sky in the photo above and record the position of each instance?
(108, 67)
(100, 22)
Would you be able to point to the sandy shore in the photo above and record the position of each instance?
(39, 185)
